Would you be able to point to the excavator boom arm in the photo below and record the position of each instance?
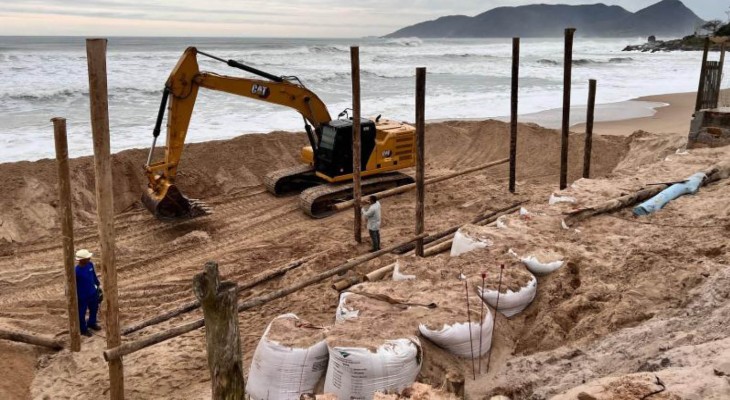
(183, 85)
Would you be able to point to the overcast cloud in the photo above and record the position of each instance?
(277, 18)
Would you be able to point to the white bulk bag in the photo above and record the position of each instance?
(561, 199)
(281, 372)
(357, 373)
(398, 276)
(464, 243)
(344, 312)
(539, 268)
(457, 340)
(510, 303)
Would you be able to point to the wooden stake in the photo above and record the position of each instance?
(719, 75)
(722, 57)
(356, 137)
(98, 99)
(589, 129)
(513, 119)
(496, 311)
(15, 336)
(567, 74)
(219, 301)
(420, 154)
(402, 189)
(131, 347)
(67, 232)
(481, 322)
(703, 74)
(468, 319)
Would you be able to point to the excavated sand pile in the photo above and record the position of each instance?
(29, 199)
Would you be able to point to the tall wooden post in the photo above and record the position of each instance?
(722, 57)
(589, 128)
(718, 86)
(567, 76)
(220, 311)
(420, 154)
(67, 231)
(99, 103)
(356, 152)
(703, 75)
(513, 119)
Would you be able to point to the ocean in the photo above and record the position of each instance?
(46, 77)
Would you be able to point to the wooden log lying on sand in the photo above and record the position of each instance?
(195, 304)
(346, 282)
(715, 173)
(402, 189)
(43, 341)
(139, 344)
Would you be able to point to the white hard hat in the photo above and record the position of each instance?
(83, 254)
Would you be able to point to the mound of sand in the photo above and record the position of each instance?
(29, 200)
(417, 302)
(471, 265)
(295, 332)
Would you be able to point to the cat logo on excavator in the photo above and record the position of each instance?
(260, 90)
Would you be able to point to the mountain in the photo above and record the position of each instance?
(665, 18)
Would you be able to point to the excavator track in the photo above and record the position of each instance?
(293, 179)
(317, 201)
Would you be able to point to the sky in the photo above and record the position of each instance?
(263, 18)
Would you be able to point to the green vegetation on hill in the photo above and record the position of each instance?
(723, 31)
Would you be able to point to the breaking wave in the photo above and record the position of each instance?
(407, 42)
(586, 61)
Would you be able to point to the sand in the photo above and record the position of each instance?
(675, 117)
(448, 297)
(417, 391)
(633, 291)
(296, 333)
(444, 269)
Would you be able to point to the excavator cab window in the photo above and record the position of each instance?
(328, 138)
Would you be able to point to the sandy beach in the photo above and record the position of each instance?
(675, 117)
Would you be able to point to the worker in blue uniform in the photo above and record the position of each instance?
(87, 290)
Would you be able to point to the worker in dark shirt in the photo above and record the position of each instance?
(87, 287)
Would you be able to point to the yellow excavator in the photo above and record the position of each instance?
(325, 175)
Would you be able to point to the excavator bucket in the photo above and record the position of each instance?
(171, 204)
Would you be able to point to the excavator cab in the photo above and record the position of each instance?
(334, 155)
